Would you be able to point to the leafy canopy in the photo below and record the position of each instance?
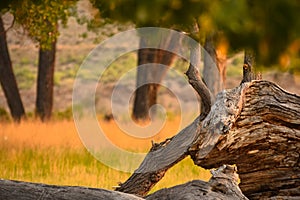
(40, 18)
(268, 28)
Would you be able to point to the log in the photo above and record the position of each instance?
(262, 137)
(255, 126)
(160, 158)
(222, 185)
(27, 191)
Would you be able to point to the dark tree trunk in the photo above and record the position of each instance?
(152, 66)
(248, 67)
(8, 80)
(44, 99)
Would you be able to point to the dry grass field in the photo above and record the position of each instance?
(52, 153)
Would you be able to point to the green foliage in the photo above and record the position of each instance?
(40, 18)
(267, 28)
(25, 77)
(66, 114)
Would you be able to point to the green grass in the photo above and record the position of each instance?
(67, 166)
(57, 166)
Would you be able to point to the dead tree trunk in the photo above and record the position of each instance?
(261, 136)
(255, 126)
(223, 185)
(23, 191)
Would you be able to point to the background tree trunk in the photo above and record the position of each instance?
(214, 71)
(44, 100)
(152, 67)
(248, 67)
(8, 80)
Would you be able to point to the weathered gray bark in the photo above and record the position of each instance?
(166, 154)
(262, 137)
(223, 186)
(27, 191)
(255, 126)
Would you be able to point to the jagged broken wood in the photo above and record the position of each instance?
(222, 185)
(255, 126)
(263, 141)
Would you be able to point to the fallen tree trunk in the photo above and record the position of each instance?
(24, 191)
(264, 142)
(255, 126)
(223, 185)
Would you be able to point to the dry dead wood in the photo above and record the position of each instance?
(255, 126)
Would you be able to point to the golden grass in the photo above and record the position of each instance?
(52, 153)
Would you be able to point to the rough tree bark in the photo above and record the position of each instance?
(8, 80)
(263, 140)
(223, 185)
(44, 99)
(257, 121)
(24, 191)
(166, 154)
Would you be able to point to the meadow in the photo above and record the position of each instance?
(53, 153)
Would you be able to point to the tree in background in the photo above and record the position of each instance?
(268, 30)
(180, 15)
(40, 20)
(7, 77)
